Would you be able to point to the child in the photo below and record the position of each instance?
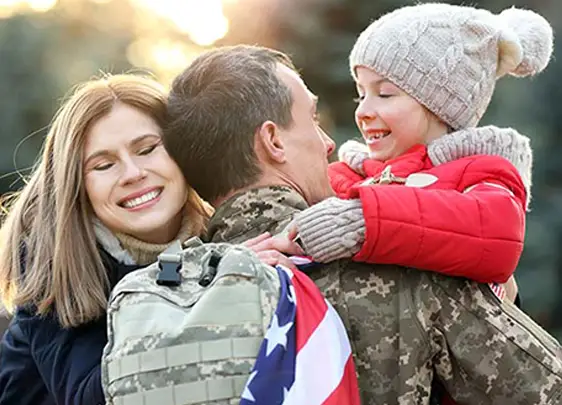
(430, 189)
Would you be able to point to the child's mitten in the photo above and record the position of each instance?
(332, 229)
(354, 153)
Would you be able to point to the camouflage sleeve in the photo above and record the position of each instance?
(408, 326)
(485, 350)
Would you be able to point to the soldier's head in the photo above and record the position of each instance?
(241, 117)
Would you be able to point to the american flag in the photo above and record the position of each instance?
(498, 290)
(305, 357)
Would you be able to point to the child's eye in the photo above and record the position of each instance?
(358, 99)
(385, 95)
(147, 150)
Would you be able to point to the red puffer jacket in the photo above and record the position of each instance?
(461, 218)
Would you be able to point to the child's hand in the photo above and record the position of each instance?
(272, 250)
(354, 153)
(332, 229)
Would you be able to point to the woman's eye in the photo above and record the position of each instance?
(103, 166)
(147, 150)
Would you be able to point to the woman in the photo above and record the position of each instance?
(103, 200)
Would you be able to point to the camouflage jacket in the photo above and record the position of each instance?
(406, 325)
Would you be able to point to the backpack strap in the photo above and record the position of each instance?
(169, 263)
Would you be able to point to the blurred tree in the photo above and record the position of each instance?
(43, 56)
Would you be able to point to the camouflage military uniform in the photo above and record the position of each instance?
(405, 324)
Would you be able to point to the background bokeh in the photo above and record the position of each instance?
(47, 46)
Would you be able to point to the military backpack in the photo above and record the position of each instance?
(187, 329)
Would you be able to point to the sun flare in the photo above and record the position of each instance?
(168, 34)
(203, 21)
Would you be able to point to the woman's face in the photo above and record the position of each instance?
(390, 120)
(131, 181)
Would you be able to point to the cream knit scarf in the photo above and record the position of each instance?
(127, 249)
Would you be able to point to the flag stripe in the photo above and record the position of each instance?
(320, 364)
(311, 308)
(348, 391)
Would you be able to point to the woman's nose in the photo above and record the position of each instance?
(132, 172)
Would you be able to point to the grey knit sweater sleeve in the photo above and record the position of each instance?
(332, 229)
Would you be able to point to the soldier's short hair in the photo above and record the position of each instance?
(215, 107)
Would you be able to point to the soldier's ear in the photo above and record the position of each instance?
(269, 143)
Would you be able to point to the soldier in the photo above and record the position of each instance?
(243, 128)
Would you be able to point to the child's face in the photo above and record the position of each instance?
(391, 121)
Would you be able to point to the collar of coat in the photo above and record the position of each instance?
(110, 243)
(488, 140)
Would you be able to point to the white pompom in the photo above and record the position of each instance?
(510, 52)
(525, 43)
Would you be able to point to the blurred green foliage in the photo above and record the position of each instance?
(43, 55)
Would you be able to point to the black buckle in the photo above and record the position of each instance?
(169, 274)
(210, 270)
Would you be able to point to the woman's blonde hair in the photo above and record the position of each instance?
(49, 259)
